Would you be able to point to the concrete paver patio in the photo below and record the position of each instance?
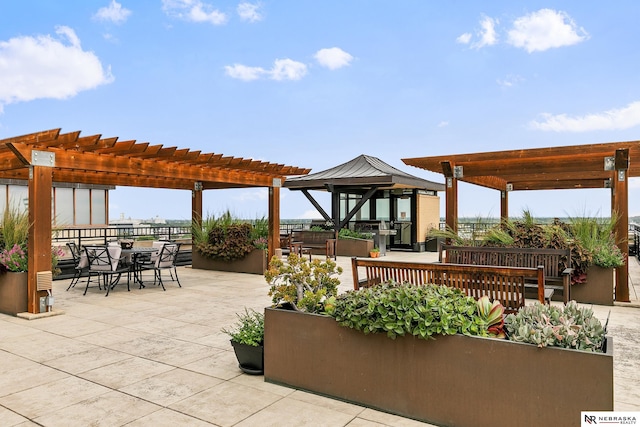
(154, 358)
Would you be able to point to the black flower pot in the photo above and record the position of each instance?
(250, 358)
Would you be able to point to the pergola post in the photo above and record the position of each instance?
(620, 205)
(451, 196)
(196, 207)
(39, 240)
(504, 205)
(274, 221)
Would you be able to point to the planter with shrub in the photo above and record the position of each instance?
(433, 354)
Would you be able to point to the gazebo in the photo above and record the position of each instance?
(49, 156)
(605, 165)
(367, 190)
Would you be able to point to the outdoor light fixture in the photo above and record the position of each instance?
(609, 163)
(458, 172)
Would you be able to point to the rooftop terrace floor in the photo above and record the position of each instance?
(149, 357)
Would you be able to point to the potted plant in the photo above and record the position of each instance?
(226, 243)
(247, 339)
(374, 253)
(14, 229)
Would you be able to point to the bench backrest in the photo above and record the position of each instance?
(554, 260)
(505, 284)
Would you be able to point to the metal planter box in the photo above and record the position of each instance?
(450, 381)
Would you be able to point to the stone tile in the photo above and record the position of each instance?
(171, 386)
(296, 413)
(333, 404)
(220, 364)
(44, 346)
(87, 360)
(114, 335)
(125, 372)
(69, 326)
(10, 418)
(390, 419)
(27, 376)
(13, 330)
(168, 418)
(164, 349)
(226, 404)
(109, 409)
(359, 422)
(51, 397)
(258, 382)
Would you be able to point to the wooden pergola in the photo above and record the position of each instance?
(604, 165)
(45, 157)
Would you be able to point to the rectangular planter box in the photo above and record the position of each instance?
(13, 293)
(354, 247)
(254, 263)
(598, 289)
(451, 381)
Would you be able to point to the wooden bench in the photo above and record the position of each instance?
(505, 284)
(557, 277)
(316, 243)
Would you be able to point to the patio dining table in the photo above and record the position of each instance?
(135, 253)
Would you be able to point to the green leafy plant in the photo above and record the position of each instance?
(492, 313)
(302, 284)
(570, 326)
(405, 309)
(248, 329)
(346, 233)
(229, 238)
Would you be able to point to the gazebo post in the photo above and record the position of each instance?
(620, 209)
(39, 240)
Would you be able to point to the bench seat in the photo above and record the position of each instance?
(505, 284)
(557, 278)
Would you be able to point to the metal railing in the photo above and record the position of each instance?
(104, 235)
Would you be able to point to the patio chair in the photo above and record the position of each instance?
(80, 265)
(166, 260)
(105, 262)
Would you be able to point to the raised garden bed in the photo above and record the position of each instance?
(254, 263)
(453, 380)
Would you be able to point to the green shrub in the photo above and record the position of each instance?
(345, 233)
(422, 311)
(228, 238)
(305, 285)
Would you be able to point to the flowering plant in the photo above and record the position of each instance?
(14, 259)
(261, 243)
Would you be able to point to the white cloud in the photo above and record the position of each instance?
(283, 69)
(251, 195)
(443, 124)
(288, 69)
(545, 29)
(310, 214)
(47, 67)
(464, 38)
(249, 12)
(509, 81)
(333, 58)
(194, 11)
(242, 72)
(488, 35)
(113, 13)
(616, 119)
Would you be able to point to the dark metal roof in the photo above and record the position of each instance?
(362, 172)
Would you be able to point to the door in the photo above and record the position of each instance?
(402, 222)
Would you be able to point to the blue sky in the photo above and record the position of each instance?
(315, 84)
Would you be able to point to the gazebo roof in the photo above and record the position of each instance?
(362, 172)
(108, 161)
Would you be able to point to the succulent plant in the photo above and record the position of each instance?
(570, 326)
(493, 315)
